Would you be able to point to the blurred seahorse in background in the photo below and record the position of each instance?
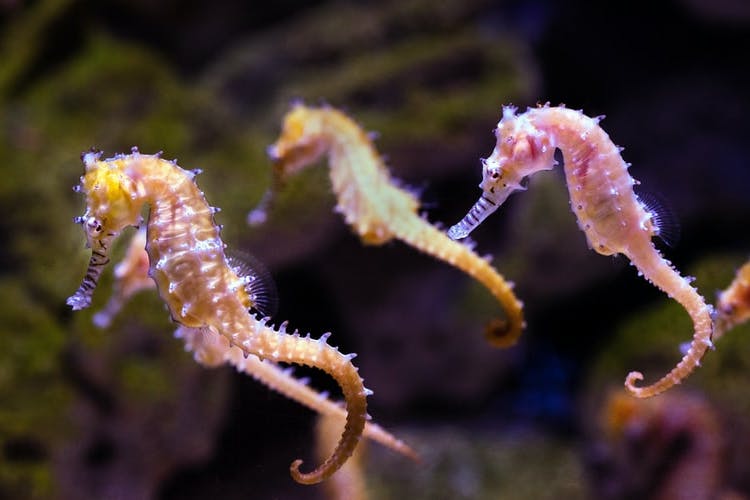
(373, 204)
(666, 448)
(211, 349)
(194, 278)
(131, 276)
(601, 192)
(733, 304)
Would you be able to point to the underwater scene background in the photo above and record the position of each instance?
(125, 412)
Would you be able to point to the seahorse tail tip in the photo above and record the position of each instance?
(642, 392)
(503, 333)
(314, 477)
(630, 383)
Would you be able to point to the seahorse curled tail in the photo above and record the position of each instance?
(277, 346)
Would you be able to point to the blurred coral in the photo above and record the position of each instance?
(665, 448)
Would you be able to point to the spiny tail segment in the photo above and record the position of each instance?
(430, 240)
(733, 304)
(211, 349)
(277, 346)
(349, 482)
(666, 278)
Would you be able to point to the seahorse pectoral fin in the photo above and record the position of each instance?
(480, 211)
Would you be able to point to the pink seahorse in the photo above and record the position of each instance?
(601, 192)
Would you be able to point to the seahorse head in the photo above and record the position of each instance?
(520, 151)
(300, 142)
(112, 204)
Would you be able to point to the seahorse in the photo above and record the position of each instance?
(613, 218)
(194, 278)
(370, 201)
(733, 304)
(211, 349)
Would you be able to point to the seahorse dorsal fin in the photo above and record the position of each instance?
(258, 282)
(662, 216)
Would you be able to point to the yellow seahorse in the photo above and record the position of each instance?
(211, 349)
(373, 205)
(193, 277)
(601, 195)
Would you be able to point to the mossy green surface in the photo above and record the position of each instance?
(33, 392)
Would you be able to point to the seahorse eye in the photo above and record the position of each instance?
(94, 224)
(494, 171)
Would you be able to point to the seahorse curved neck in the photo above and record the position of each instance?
(367, 197)
(600, 188)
